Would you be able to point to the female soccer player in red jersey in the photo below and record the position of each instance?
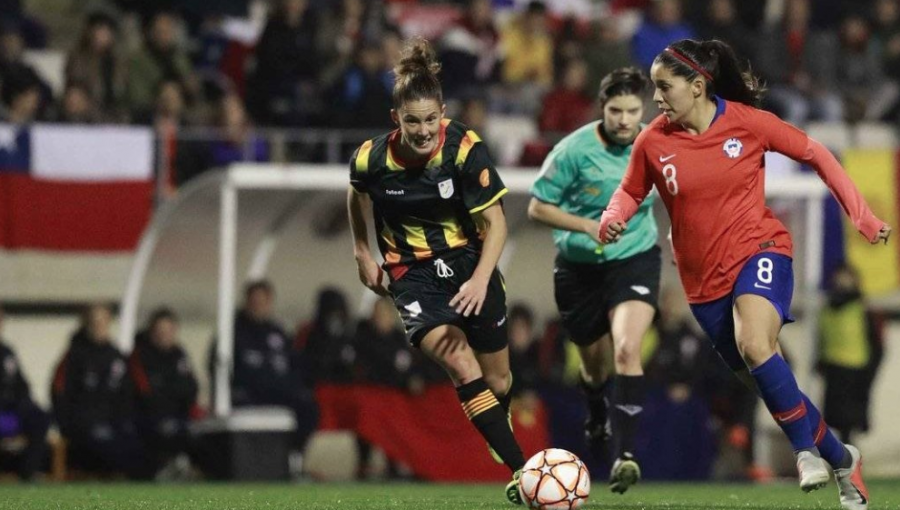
(705, 156)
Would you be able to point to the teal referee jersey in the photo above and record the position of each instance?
(579, 176)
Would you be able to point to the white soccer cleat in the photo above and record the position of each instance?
(854, 495)
(812, 470)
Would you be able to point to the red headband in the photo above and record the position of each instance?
(690, 63)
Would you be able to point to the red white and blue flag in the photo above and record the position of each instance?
(68, 188)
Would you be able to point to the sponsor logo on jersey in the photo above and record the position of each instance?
(733, 148)
(446, 188)
(663, 159)
(395, 191)
(485, 178)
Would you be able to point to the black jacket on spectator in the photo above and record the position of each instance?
(327, 342)
(13, 387)
(267, 372)
(93, 404)
(164, 382)
(91, 387)
(384, 359)
(262, 363)
(20, 416)
(286, 56)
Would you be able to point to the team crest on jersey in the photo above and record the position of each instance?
(733, 148)
(446, 188)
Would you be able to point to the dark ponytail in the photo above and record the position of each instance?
(415, 75)
(717, 63)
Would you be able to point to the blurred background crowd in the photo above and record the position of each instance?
(118, 414)
(215, 78)
(308, 80)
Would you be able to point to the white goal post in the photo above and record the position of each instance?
(224, 189)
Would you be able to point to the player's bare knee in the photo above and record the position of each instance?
(754, 350)
(627, 355)
(498, 382)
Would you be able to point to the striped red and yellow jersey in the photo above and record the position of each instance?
(425, 212)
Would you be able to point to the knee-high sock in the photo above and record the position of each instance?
(488, 416)
(830, 447)
(779, 391)
(627, 404)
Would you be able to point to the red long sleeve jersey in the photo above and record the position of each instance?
(712, 185)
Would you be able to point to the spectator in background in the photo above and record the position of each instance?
(237, 141)
(523, 352)
(886, 36)
(383, 354)
(15, 74)
(282, 87)
(676, 401)
(93, 402)
(158, 61)
(798, 63)
(866, 92)
(20, 92)
(470, 52)
(662, 25)
(165, 394)
(76, 106)
(95, 64)
(569, 105)
(849, 354)
(604, 51)
(528, 51)
(265, 372)
(34, 33)
(341, 29)
(384, 358)
(20, 417)
(720, 21)
(362, 95)
(327, 341)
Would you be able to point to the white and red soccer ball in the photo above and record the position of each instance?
(554, 479)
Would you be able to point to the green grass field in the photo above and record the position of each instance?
(885, 494)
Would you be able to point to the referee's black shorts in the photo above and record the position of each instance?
(585, 293)
(423, 295)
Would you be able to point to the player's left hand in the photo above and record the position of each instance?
(470, 297)
(883, 234)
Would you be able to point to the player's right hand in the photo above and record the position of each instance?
(371, 275)
(610, 228)
(883, 234)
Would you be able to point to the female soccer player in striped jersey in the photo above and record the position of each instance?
(603, 293)
(705, 156)
(437, 203)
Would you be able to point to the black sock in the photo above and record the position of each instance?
(598, 403)
(628, 402)
(488, 416)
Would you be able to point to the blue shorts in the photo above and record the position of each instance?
(770, 275)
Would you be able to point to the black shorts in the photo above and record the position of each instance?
(585, 293)
(423, 299)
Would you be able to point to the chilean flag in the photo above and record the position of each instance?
(74, 188)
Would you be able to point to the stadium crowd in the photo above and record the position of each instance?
(238, 66)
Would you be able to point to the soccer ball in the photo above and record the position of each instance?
(554, 479)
